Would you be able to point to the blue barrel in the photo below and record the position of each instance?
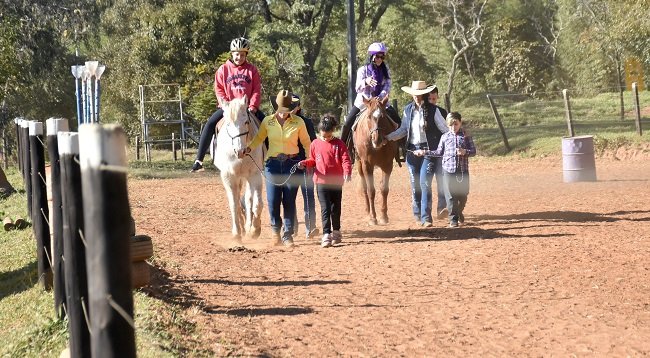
(578, 161)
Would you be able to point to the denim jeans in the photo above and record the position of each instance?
(421, 172)
(440, 186)
(456, 190)
(278, 171)
(309, 204)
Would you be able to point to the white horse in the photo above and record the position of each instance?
(238, 129)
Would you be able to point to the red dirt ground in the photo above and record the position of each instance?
(540, 268)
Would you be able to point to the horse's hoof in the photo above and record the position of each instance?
(383, 221)
(372, 222)
(254, 234)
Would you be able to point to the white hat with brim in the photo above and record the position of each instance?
(418, 88)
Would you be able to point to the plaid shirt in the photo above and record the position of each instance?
(449, 143)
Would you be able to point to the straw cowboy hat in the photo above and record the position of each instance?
(418, 88)
(283, 100)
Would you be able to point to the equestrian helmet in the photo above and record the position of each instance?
(239, 44)
(377, 47)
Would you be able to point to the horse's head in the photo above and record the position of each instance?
(377, 120)
(238, 124)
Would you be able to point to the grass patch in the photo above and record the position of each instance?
(535, 127)
(29, 326)
(163, 165)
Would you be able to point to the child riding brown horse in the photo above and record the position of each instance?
(374, 150)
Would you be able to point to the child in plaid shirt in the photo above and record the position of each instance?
(455, 147)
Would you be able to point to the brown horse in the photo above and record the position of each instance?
(373, 150)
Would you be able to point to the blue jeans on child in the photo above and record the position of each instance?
(421, 172)
(278, 171)
(456, 190)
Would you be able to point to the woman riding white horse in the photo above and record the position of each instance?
(236, 174)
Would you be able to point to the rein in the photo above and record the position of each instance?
(292, 171)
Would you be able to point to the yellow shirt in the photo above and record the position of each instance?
(282, 139)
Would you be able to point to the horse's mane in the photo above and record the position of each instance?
(373, 104)
(233, 107)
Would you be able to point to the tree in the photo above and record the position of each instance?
(169, 42)
(301, 22)
(461, 23)
(5, 187)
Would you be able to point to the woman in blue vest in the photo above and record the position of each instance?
(422, 129)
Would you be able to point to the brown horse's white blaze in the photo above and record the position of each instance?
(373, 150)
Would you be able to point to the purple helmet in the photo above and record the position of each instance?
(376, 48)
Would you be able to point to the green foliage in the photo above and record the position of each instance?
(518, 61)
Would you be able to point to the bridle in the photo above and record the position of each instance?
(377, 115)
(240, 134)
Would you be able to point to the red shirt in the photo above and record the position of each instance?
(232, 81)
(331, 161)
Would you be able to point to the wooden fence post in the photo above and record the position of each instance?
(137, 147)
(174, 146)
(76, 281)
(567, 110)
(55, 125)
(498, 119)
(18, 144)
(635, 91)
(107, 220)
(27, 165)
(39, 205)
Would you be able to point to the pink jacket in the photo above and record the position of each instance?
(331, 160)
(232, 81)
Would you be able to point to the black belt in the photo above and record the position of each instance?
(419, 146)
(282, 157)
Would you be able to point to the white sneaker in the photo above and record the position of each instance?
(336, 237)
(326, 241)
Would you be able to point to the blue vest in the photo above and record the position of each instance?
(432, 131)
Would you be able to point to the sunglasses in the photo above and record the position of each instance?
(380, 56)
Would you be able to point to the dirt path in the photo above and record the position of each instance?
(541, 268)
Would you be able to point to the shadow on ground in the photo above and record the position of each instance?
(16, 281)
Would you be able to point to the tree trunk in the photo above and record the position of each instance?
(5, 187)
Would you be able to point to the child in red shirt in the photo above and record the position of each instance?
(329, 156)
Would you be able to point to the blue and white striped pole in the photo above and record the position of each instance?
(87, 98)
(98, 75)
(77, 71)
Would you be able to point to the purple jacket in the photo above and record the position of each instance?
(364, 90)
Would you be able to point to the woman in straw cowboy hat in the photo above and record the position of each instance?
(284, 130)
(422, 131)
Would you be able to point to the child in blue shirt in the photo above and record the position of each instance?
(455, 147)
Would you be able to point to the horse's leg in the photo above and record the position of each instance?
(364, 186)
(370, 189)
(232, 192)
(248, 203)
(255, 185)
(385, 181)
